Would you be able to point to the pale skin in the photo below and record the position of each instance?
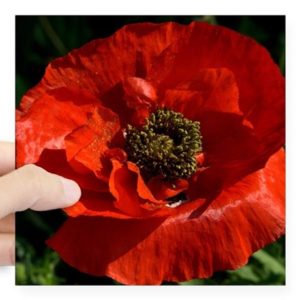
(29, 187)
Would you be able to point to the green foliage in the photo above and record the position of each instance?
(33, 269)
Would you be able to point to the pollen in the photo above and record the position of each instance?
(166, 145)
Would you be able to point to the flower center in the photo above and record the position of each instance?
(166, 145)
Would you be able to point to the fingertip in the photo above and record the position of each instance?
(72, 191)
(7, 157)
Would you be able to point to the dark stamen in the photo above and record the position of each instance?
(165, 146)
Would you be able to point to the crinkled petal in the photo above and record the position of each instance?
(142, 189)
(162, 189)
(88, 144)
(258, 78)
(209, 90)
(139, 92)
(140, 96)
(46, 122)
(102, 63)
(93, 204)
(243, 219)
(133, 100)
(122, 185)
(231, 151)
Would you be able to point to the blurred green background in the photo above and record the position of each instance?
(40, 39)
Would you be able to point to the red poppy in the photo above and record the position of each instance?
(162, 198)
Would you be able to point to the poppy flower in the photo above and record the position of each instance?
(175, 134)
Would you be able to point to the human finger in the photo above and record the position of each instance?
(7, 224)
(7, 249)
(7, 157)
(33, 187)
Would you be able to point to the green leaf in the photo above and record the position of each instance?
(269, 262)
(210, 19)
(193, 282)
(246, 273)
(36, 270)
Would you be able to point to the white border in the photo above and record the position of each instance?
(8, 10)
(7, 76)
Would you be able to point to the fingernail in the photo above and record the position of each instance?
(71, 190)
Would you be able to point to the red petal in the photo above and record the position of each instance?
(95, 205)
(208, 90)
(38, 129)
(102, 63)
(140, 96)
(231, 151)
(241, 220)
(211, 97)
(139, 93)
(142, 189)
(132, 99)
(164, 190)
(88, 144)
(260, 83)
(122, 184)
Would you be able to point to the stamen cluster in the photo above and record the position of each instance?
(166, 145)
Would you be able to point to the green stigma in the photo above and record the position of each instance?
(166, 145)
